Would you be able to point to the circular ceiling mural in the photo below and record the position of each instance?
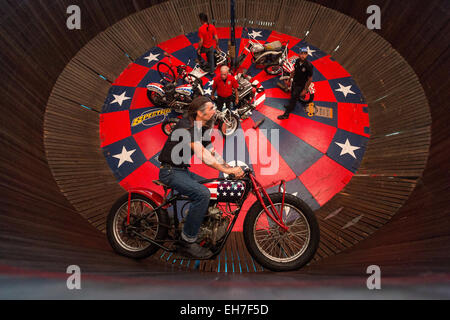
(317, 153)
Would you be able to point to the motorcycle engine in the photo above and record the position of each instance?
(214, 226)
(245, 87)
(170, 91)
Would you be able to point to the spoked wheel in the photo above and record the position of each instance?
(165, 72)
(168, 125)
(228, 124)
(273, 69)
(274, 248)
(121, 235)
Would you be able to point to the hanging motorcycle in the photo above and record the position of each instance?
(221, 58)
(168, 93)
(227, 121)
(247, 91)
(268, 54)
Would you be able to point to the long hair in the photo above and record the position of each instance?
(198, 104)
(204, 18)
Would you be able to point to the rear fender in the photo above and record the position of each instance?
(152, 195)
(268, 53)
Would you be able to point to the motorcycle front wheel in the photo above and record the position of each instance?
(274, 248)
(273, 69)
(168, 125)
(122, 236)
(231, 124)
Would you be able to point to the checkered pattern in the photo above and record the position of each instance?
(317, 155)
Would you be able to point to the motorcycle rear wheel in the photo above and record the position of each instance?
(120, 235)
(275, 249)
(166, 72)
(155, 98)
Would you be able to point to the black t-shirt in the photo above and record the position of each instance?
(181, 140)
(303, 70)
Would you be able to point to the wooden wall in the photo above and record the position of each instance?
(43, 52)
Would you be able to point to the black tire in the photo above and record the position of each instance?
(165, 72)
(168, 124)
(273, 69)
(155, 98)
(195, 82)
(308, 251)
(115, 227)
(309, 100)
(229, 130)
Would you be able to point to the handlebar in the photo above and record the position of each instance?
(246, 170)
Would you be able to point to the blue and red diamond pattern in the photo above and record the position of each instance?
(318, 155)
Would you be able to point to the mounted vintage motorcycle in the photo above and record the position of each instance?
(247, 91)
(168, 93)
(268, 54)
(227, 121)
(280, 231)
(221, 58)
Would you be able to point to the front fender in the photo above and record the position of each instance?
(156, 87)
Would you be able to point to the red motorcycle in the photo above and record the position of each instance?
(168, 92)
(280, 231)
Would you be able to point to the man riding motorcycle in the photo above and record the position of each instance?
(195, 133)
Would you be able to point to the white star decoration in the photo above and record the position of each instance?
(120, 98)
(310, 51)
(255, 34)
(347, 148)
(345, 90)
(208, 91)
(124, 156)
(152, 57)
(210, 83)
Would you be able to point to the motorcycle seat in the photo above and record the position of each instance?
(274, 46)
(160, 183)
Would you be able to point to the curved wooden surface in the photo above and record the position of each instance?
(56, 82)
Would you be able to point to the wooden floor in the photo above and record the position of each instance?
(56, 187)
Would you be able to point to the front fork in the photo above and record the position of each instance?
(277, 217)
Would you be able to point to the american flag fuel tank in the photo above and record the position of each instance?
(226, 191)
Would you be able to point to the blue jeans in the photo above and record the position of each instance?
(186, 183)
(210, 56)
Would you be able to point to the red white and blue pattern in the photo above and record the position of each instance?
(226, 191)
(317, 155)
